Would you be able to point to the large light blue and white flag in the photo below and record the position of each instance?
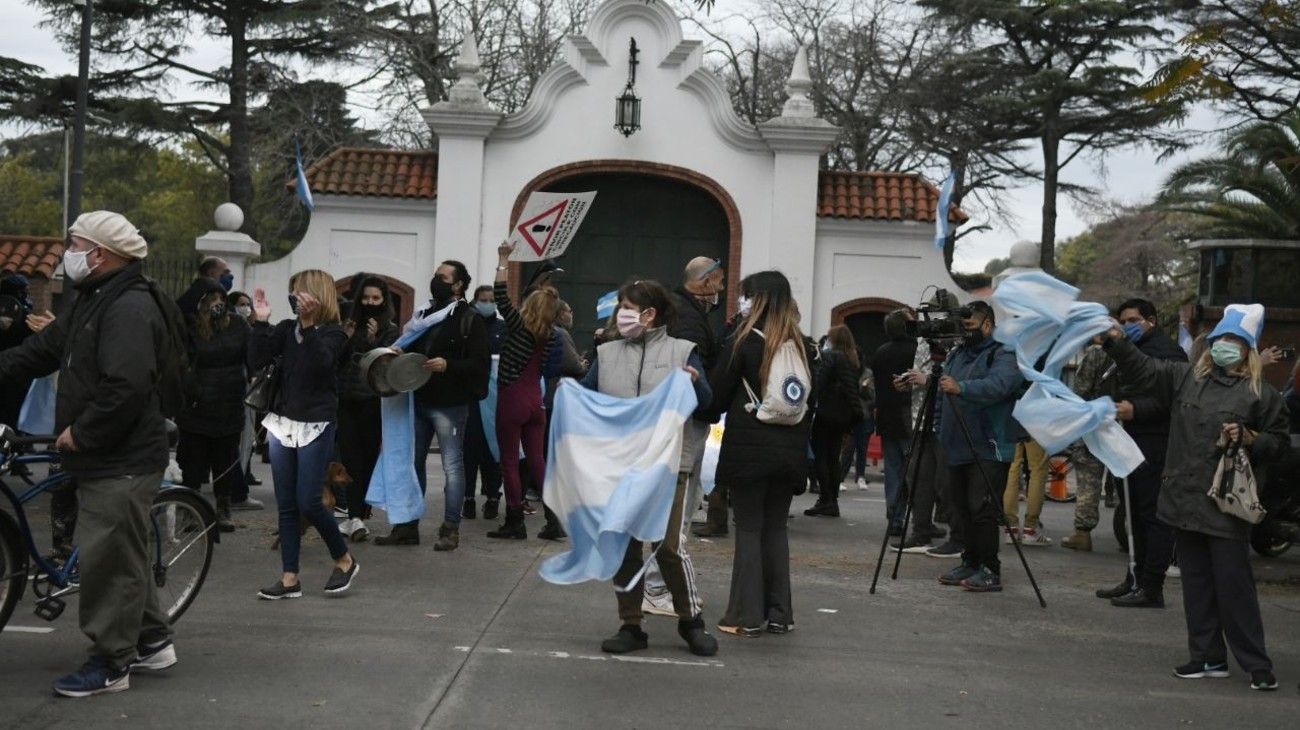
(1047, 320)
(606, 305)
(612, 474)
(942, 226)
(303, 189)
(37, 413)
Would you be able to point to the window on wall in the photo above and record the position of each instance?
(1241, 275)
(1277, 278)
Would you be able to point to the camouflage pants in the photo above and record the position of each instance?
(1088, 475)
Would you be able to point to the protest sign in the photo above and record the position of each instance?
(547, 224)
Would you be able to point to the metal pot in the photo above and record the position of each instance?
(389, 373)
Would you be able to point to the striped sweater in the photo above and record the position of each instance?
(520, 344)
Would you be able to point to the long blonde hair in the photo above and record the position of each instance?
(772, 304)
(1252, 367)
(540, 311)
(321, 286)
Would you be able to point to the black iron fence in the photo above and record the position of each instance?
(174, 273)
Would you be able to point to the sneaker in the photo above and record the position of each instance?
(340, 581)
(948, 549)
(776, 627)
(1010, 533)
(96, 676)
(985, 581)
(279, 591)
(491, 508)
(1263, 680)
(744, 632)
(155, 657)
(340, 513)
(529, 508)
(697, 637)
(1202, 670)
(659, 604)
(1035, 537)
(915, 545)
(359, 532)
(629, 638)
(248, 505)
(862, 483)
(958, 574)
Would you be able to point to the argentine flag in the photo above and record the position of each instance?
(303, 189)
(612, 473)
(606, 305)
(942, 226)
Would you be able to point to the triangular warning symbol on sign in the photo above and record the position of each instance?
(537, 231)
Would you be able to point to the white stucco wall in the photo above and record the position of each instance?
(886, 259)
(349, 234)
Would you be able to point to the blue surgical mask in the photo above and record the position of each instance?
(1226, 355)
(1134, 331)
(486, 309)
(227, 282)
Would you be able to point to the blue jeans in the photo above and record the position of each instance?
(895, 461)
(299, 476)
(449, 425)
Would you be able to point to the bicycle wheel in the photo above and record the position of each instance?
(13, 567)
(180, 548)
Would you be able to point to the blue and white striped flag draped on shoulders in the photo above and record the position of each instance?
(1047, 320)
(612, 474)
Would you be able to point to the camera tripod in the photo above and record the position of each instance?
(914, 471)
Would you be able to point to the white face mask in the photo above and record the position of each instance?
(244, 311)
(743, 306)
(75, 266)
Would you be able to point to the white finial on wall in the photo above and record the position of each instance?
(466, 90)
(797, 87)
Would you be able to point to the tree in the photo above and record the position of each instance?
(1251, 190)
(1077, 68)
(147, 39)
(1244, 53)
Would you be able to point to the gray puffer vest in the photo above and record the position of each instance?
(633, 368)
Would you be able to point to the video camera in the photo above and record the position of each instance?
(939, 318)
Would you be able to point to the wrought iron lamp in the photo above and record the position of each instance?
(627, 107)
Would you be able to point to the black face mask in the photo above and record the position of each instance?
(973, 338)
(440, 290)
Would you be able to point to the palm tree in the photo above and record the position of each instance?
(1251, 190)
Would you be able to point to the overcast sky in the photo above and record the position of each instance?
(1130, 176)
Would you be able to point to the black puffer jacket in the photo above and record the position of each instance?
(752, 451)
(692, 323)
(1199, 408)
(839, 402)
(351, 385)
(218, 381)
(105, 348)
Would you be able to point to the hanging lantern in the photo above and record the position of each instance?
(627, 107)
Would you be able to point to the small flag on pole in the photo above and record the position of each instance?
(606, 305)
(1185, 339)
(304, 190)
(942, 227)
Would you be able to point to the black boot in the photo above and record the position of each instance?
(552, 530)
(628, 638)
(1140, 598)
(697, 638)
(513, 528)
(823, 509)
(491, 508)
(407, 533)
(470, 510)
(1123, 589)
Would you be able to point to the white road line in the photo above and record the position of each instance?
(30, 629)
(599, 658)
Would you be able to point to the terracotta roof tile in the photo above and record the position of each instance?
(376, 172)
(414, 174)
(894, 196)
(30, 255)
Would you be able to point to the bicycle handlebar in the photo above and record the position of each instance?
(16, 440)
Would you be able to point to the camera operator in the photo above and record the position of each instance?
(980, 387)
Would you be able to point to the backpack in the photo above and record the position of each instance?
(785, 394)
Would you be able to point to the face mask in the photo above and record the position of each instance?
(1226, 355)
(244, 311)
(629, 323)
(217, 310)
(1134, 331)
(973, 338)
(440, 290)
(293, 304)
(486, 309)
(227, 282)
(75, 266)
(743, 306)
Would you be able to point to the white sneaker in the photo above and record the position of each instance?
(1009, 534)
(862, 483)
(248, 504)
(348, 526)
(659, 605)
(1034, 537)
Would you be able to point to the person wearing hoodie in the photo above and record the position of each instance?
(630, 367)
(1220, 398)
(370, 326)
(1146, 419)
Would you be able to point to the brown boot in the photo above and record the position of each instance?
(448, 537)
(1080, 540)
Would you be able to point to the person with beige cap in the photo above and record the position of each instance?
(109, 350)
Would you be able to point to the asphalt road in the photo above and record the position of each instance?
(475, 638)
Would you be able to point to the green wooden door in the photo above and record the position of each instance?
(639, 227)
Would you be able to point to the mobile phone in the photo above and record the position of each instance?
(1287, 353)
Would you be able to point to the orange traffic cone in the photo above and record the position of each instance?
(1058, 489)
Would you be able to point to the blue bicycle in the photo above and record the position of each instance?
(181, 543)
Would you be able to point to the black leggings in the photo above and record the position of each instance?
(217, 457)
(359, 436)
(827, 436)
